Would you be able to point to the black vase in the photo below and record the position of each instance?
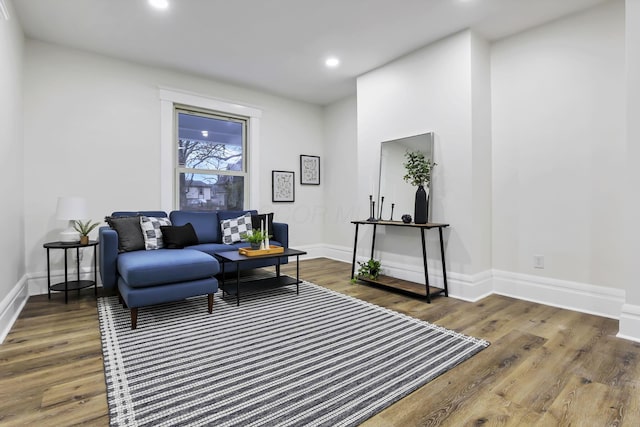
(420, 212)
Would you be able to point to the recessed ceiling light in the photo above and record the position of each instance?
(332, 62)
(159, 4)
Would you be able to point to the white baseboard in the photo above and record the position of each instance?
(11, 306)
(582, 297)
(629, 328)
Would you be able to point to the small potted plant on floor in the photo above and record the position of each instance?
(369, 269)
(84, 228)
(256, 238)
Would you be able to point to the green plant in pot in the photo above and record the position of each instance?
(418, 174)
(256, 238)
(369, 269)
(84, 228)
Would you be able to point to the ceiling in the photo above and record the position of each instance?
(278, 46)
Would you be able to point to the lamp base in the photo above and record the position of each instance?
(69, 236)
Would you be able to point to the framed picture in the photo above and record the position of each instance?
(309, 170)
(282, 186)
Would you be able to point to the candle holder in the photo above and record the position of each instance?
(372, 209)
(380, 213)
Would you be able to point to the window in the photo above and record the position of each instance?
(211, 163)
(170, 99)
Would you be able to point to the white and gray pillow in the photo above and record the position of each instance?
(151, 231)
(236, 229)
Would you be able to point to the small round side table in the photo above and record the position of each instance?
(72, 285)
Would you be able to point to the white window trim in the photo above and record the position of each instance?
(168, 99)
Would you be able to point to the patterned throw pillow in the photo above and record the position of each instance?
(150, 226)
(236, 229)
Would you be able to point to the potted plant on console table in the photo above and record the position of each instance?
(419, 174)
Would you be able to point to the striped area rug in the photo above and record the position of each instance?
(279, 359)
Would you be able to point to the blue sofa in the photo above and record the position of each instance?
(147, 277)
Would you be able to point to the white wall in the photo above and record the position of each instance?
(431, 90)
(558, 94)
(92, 128)
(12, 260)
(340, 177)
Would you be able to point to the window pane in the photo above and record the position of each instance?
(209, 143)
(211, 192)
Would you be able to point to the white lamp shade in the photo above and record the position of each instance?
(71, 208)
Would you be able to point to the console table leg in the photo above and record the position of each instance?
(355, 245)
(426, 268)
(444, 268)
(373, 239)
(48, 275)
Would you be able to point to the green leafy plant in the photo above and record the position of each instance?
(256, 236)
(418, 168)
(369, 269)
(84, 228)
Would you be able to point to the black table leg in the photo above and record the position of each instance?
(222, 284)
(426, 268)
(238, 284)
(297, 274)
(373, 239)
(78, 269)
(355, 245)
(66, 280)
(48, 275)
(444, 268)
(95, 270)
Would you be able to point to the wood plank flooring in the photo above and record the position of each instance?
(545, 366)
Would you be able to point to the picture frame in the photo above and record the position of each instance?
(309, 170)
(282, 186)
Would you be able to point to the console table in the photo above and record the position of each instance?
(389, 282)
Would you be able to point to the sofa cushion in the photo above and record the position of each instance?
(150, 268)
(236, 229)
(129, 232)
(151, 231)
(205, 224)
(179, 236)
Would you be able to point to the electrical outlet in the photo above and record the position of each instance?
(538, 261)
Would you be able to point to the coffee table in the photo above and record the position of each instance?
(269, 282)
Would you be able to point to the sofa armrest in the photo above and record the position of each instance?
(281, 233)
(108, 257)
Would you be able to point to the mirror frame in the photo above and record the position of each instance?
(391, 185)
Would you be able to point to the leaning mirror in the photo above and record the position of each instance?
(396, 197)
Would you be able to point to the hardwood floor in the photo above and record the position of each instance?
(545, 366)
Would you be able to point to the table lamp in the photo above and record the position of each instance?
(71, 209)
